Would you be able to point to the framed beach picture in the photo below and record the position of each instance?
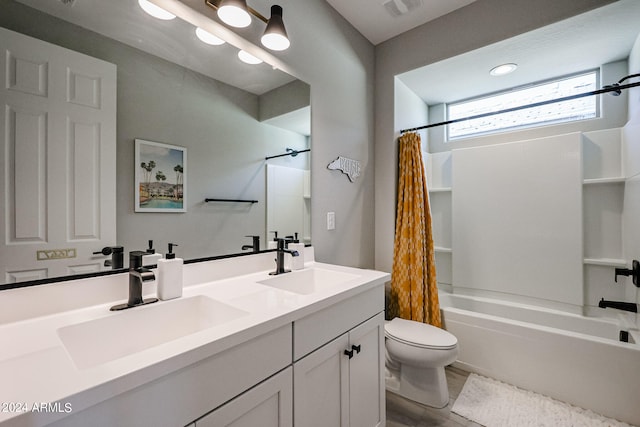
(161, 180)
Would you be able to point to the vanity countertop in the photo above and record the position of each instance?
(41, 383)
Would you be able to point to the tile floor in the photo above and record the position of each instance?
(406, 413)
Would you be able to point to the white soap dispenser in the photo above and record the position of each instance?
(150, 257)
(170, 275)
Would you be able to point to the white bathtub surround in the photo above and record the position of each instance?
(226, 317)
(517, 219)
(606, 200)
(571, 358)
(496, 404)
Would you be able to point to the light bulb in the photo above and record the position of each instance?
(234, 15)
(275, 41)
(248, 58)
(208, 38)
(155, 11)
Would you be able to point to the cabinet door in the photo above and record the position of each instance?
(320, 381)
(269, 404)
(366, 374)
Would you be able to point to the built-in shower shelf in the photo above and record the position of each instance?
(611, 180)
(607, 262)
(440, 190)
(442, 249)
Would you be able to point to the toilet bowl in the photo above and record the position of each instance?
(416, 354)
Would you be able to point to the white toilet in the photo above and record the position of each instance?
(416, 354)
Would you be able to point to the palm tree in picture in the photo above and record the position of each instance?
(147, 168)
(179, 171)
(160, 176)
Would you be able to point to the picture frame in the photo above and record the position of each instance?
(160, 177)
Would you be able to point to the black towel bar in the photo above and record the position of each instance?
(230, 200)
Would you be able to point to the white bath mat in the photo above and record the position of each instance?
(496, 404)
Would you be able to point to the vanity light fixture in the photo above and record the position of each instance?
(155, 11)
(275, 35)
(503, 69)
(248, 58)
(237, 13)
(208, 38)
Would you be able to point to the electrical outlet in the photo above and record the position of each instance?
(331, 220)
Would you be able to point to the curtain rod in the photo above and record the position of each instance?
(609, 88)
(290, 152)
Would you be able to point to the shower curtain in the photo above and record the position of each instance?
(414, 291)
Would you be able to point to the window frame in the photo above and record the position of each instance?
(598, 114)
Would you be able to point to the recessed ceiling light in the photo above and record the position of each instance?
(503, 69)
(208, 38)
(155, 11)
(248, 58)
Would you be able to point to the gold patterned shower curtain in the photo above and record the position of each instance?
(414, 291)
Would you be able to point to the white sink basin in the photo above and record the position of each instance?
(306, 282)
(126, 332)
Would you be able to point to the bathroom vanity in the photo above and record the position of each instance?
(303, 348)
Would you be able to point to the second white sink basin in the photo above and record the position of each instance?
(308, 281)
(126, 332)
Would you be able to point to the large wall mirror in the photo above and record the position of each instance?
(171, 89)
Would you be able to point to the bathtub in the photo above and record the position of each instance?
(572, 358)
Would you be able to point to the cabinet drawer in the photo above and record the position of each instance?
(181, 397)
(317, 329)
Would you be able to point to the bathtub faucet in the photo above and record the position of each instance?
(620, 305)
(634, 272)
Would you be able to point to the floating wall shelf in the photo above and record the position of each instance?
(607, 262)
(595, 181)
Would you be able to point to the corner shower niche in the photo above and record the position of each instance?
(536, 221)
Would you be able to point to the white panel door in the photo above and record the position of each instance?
(58, 159)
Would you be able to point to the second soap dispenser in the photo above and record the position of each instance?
(170, 275)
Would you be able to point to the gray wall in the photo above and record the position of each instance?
(338, 63)
(160, 101)
(481, 23)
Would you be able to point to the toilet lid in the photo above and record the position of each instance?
(419, 334)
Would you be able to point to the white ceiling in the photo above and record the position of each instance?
(577, 44)
(373, 20)
(587, 41)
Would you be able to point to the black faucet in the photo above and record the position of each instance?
(634, 272)
(117, 256)
(620, 305)
(280, 251)
(255, 246)
(137, 275)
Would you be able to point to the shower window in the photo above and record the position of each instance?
(559, 112)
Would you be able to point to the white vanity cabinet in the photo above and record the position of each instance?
(341, 383)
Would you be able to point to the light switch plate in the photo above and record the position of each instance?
(331, 220)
